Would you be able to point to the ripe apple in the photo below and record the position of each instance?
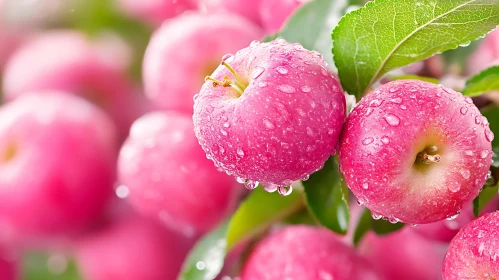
(271, 113)
(415, 152)
(184, 50)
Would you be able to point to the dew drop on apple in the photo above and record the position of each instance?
(368, 141)
(489, 135)
(465, 173)
(376, 216)
(257, 72)
(223, 131)
(396, 100)
(284, 190)
(454, 187)
(305, 178)
(453, 217)
(305, 89)
(403, 107)
(282, 70)
(240, 180)
(270, 187)
(385, 140)
(228, 57)
(122, 191)
(484, 154)
(463, 110)
(240, 152)
(286, 88)
(375, 103)
(468, 153)
(268, 124)
(393, 220)
(365, 186)
(392, 120)
(478, 120)
(250, 184)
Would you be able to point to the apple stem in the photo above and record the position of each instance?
(225, 83)
(239, 82)
(427, 159)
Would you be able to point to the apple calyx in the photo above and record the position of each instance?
(239, 85)
(429, 155)
(8, 153)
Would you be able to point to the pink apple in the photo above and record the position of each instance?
(474, 252)
(415, 152)
(69, 62)
(445, 230)
(184, 50)
(275, 119)
(486, 55)
(404, 255)
(57, 164)
(155, 11)
(9, 265)
(169, 177)
(274, 13)
(305, 252)
(133, 248)
(245, 8)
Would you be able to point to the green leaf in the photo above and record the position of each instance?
(312, 23)
(327, 197)
(256, 214)
(485, 196)
(260, 211)
(206, 259)
(483, 82)
(416, 77)
(35, 267)
(387, 34)
(492, 115)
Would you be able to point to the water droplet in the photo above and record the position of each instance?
(465, 173)
(324, 71)
(122, 191)
(368, 141)
(240, 152)
(415, 225)
(376, 216)
(254, 43)
(226, 124)
(270, 187)
(262, 84)
(284, 190)
(221, 149)
(224, 133)
(394, 89)
(375, 102)
(365, 186)
(468, 153)
(484, 154)
(286, 88)
(478, 120)
(489, 135)
(468, 100)
(392, 120)
(310, 132)
(453, 217)
(396, 100)
(268, 124)
(228, 57)
(240, 180)
(305, 178)
(250, 185)
(403, 107)
(385, 140)
(454, 187)
(195, 96)
(305, 89)
(282, 70)
(200, 265)
(464, 110)
(258, 72)
(393, 220)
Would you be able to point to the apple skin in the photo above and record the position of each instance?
(444, 231)
(473, 253)
(155, 11)
(383, 136)
(305, 252)
(67, 61)
(169, 177)
(286, 123)
(274, 13)
(184, 50)
(57, 164)
(404, 255)
(248, 9)
(486, 54)
(133, 248)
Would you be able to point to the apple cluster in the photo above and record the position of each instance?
(122, 173)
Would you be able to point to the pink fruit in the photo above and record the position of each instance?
(445, 230)
(155, 11)
(473, 253)
(67, 61)
(404, 255)
(245, 8)
(168, 175)
(9, 266)
(486, 55)
(131, 249)
(274, 13)
(305, 252)
(415, 152)
(277, 120)
(57, 164)
(184, 50)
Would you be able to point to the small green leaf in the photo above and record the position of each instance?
(387, 34)
(327, 197)
(363, 226)
(35, 266)
(258, 212)
(483, 82)
(311, 26)
(416, 77)
(485, 196)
